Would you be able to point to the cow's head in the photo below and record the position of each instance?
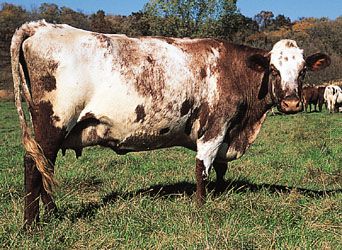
(286, 66)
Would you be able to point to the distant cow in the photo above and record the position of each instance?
(310, 96)
(133, 94)
(338, 101)
(330, 95)
(313, 95)
(321, 101)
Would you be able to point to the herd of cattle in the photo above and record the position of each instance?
(331, 95)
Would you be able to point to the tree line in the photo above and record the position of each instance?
(187, 18)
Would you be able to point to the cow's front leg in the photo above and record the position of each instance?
(206, 153)
(201, 178)
(220, 169)
(33, 184)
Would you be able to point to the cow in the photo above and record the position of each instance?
(310, 96)
(136, 94)
(330, 96)
(320, 101)
(338, 101)
(313, 95)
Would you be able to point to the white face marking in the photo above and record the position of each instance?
(288, 58)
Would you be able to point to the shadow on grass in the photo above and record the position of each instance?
(170, 191)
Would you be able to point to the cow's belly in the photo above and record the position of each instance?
(127, 123)
(126, 137)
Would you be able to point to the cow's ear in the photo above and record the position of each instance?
(317, 61)
(258, 62)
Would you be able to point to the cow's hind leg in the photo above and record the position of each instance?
(34, 190)
(49, 204)
(50, 148)
(220, 169)
(49, 138)
(33, 182)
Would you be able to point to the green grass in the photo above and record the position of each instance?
(284, 193)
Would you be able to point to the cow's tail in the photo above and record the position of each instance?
(31, 146)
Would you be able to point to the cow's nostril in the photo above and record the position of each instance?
(297, 105)
(285, 104)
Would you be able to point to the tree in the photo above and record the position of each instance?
(193, 18)
(98, 22)
(50, 12)
(73, 18)
(11, 17)
(282, 21)
(264, 19)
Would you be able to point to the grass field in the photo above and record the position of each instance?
(285, 193)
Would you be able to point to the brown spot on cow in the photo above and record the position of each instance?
(204, 112)
(49, 82)
(88, 115)
(151, 82)
(56, 118)
(103, 39)
(164, 131)
(186, 106)
(290, 44)
(40, 72)
(189, 123)
(150, 59)
(140, 111)
(43, 118)
(203, 73)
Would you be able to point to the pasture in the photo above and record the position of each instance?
(284, 193)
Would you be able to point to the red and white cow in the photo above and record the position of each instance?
(338, 101)
(330, 96)
(132, 94)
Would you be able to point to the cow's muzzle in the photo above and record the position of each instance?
(290, 105)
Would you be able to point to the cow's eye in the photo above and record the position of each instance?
(274, 71)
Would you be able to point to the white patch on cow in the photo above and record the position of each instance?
(338, 97)
(215, 52)
(207, 150)
(212, 88)
(288, 58)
